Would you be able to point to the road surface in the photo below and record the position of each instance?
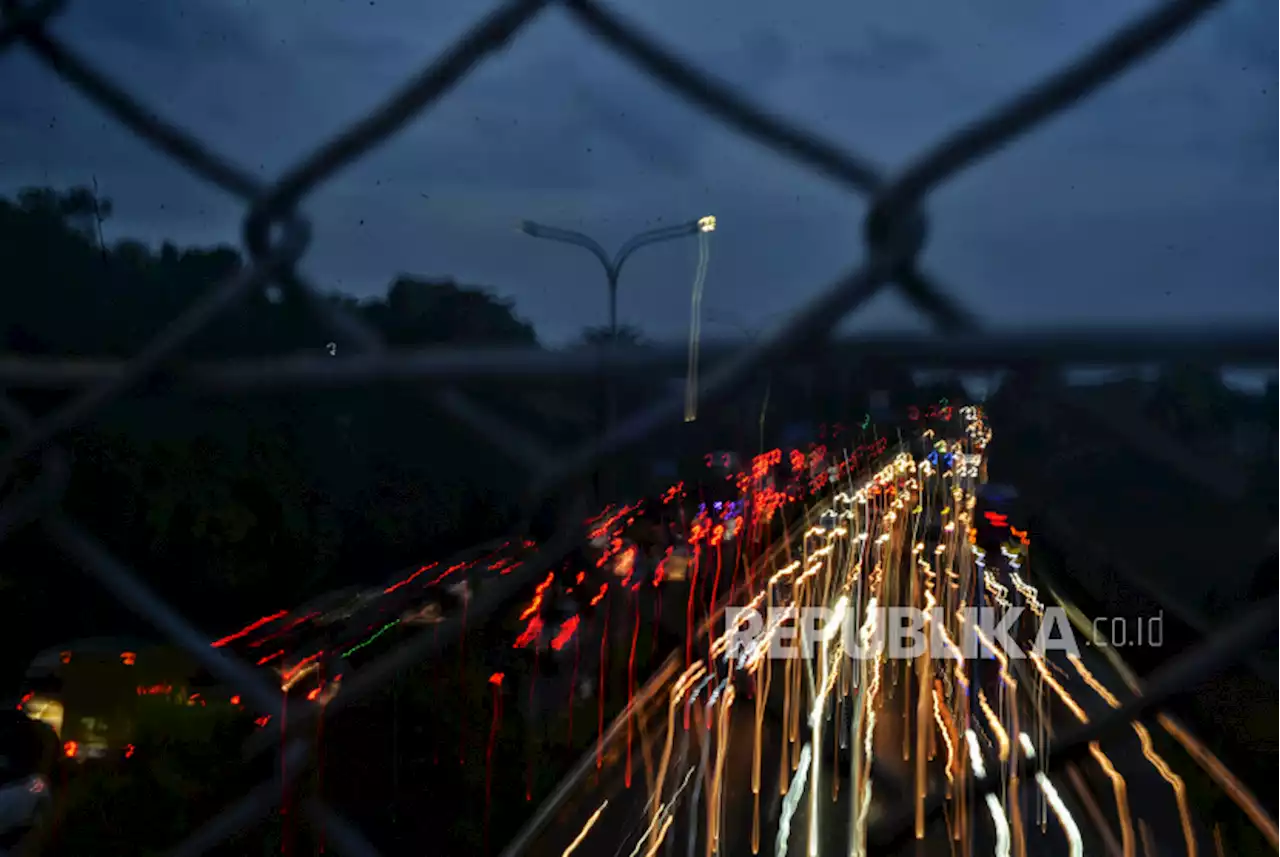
(1123, 799)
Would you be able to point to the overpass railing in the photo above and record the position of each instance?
(277, 235)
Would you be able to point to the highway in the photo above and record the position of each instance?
(527, 686)
(723, 743)
(723, 772)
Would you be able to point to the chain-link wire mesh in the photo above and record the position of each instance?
(276, 236)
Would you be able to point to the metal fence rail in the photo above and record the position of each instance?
(276, 236)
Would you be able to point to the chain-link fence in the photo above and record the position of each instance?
(276, 236)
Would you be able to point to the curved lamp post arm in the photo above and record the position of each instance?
(613, 266)
(568, 236)
(653, 236)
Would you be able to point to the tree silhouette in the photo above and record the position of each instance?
(601, 335)
(229, 507)
(418, 311)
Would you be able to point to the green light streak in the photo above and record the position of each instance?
(376, 634)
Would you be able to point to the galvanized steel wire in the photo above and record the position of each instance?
(276, 236)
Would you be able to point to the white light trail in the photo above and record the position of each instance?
(1074, 842)
(1001, 824)
(975, 754)
(836, 622)
(993, 803)
(789, 803)
(695, 330)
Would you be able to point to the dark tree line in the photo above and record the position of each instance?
(242, 504)
(235, 504)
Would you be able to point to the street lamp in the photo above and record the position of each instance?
(612, 267)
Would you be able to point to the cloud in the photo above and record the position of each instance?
(624, 115)
(765, 56)
(1072, 221)
(185, 33)
(879, 52)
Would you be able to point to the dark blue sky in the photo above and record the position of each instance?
(1154, 201)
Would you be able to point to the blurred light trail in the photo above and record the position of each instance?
(1060, 811)
(376, 634)
(1001, 825)
(993, 803)
(1148, 750)
(695, 329)
(249, 629)
(566, 632)
(975, 754)
(791, 800)
(586, 828)
(1121, 791)
(1002, 737)
(495, 681)
(1204, 757)
(393, 587)
(1118, 786)
(948, 731)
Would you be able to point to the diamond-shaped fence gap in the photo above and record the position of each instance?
(1142, 249)
(1118, 53)
(189, 64)
(98, 85)
(389, 117)
(723, 100)
(49, 140)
